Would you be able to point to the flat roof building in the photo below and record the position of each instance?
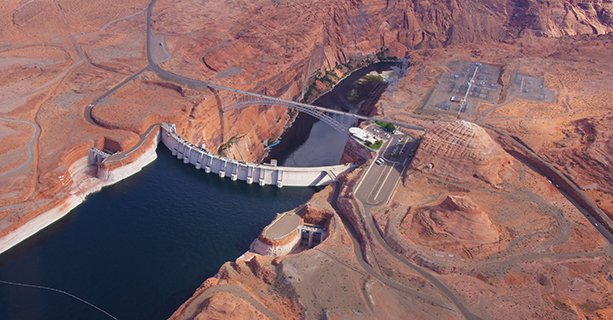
(362, 135)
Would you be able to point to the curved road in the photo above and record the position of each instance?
(448, 292)
(59, 77)
(30, 146)
(597, 218)
(199, 84)
(565, 185)
(371, 182)
(362, 261)
(367, 217)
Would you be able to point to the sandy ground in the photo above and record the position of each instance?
(57, 57)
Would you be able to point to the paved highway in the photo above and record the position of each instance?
(90, 107)
(380, 180)
(384, 187)
(565, 185)
(199, 84)
(361, 257)
(457, 299)
(376, 188)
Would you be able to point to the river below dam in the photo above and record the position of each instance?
(138, 249)
(310, 142)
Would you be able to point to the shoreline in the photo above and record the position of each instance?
(83, 185)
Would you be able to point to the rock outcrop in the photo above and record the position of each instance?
(227, 306)
(457, 219)
(272, 47)
(460, 151)
(249, 51)
(585, 155)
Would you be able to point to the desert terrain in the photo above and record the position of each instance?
(473, 230)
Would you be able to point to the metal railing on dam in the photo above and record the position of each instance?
(261, 174)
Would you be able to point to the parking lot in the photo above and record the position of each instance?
(382, 176)
(378, 132)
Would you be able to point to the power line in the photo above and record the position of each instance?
(58, 291)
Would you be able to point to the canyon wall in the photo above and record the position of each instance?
(86, 49)
(272, 47)
(279, 48)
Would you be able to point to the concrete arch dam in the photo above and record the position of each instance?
(261, 174)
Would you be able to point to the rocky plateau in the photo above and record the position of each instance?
(472, 231)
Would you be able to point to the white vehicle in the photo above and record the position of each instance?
(379, 161)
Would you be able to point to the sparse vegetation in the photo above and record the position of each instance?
(330, 77)
(375, 146)
(382, 55)
(389, 127)
(365, 86)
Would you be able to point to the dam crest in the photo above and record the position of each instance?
(262, 174)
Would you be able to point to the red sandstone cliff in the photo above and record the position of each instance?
(278, 48)
(271, 47)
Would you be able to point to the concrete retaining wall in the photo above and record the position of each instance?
(261, 174)
(265, 249)
(96, 156)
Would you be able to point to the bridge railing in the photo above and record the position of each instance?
(247, 101)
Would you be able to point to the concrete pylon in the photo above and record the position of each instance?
(310, 244)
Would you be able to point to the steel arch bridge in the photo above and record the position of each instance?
(321, 114)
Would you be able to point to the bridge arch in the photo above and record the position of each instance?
(254, 101)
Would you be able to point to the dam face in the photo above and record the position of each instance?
(261, 174)
(154, 238)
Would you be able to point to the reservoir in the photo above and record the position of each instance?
(139, 248)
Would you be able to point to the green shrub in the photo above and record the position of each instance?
(376, 146)
(389, 127)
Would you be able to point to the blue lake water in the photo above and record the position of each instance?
(139, 249)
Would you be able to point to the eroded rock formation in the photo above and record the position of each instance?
(59, 56)
(459, 151)
(585, 153)
(455, 220)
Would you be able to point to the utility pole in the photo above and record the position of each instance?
(463, 103)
